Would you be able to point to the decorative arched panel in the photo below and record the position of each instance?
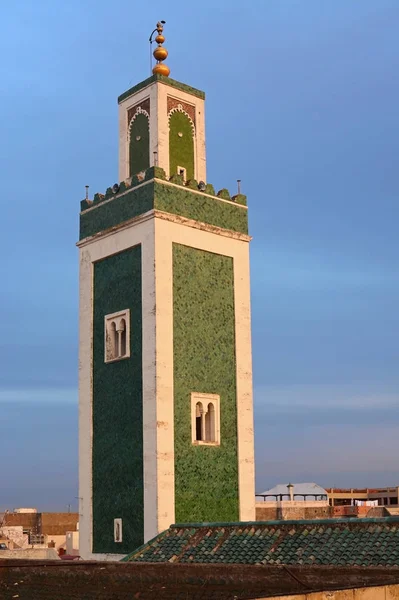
(181, 143)
(139, 143)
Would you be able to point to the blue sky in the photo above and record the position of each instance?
(302, 105)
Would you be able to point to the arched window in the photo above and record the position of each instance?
(205, 419)
(117, 336)
(198, 422)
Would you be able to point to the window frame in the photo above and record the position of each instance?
(184, 174)
(118, 525)
(117, 317)
(205, 400)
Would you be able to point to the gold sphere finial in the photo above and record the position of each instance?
(160, 53)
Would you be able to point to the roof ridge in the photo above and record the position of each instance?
(286, 522)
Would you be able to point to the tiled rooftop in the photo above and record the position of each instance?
(335, 542)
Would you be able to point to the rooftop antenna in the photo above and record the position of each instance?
(239, 186)
(160, 53)
(87, 192)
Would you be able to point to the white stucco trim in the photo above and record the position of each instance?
(168, 217)
(139, 111)
(124, 126)
(85, 405)
(164, 386)
(179, 108)
(203, 226)
(112, 230)
(245, 418)
(139, 233)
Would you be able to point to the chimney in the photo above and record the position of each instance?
(290, 487)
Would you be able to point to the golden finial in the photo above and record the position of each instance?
(160, 53)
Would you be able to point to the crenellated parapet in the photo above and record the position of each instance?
(151, 189)
(159, 173)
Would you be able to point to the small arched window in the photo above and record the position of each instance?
(117, 335)
(205, 418)
(117, 530)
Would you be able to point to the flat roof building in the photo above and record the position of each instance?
(348, 496)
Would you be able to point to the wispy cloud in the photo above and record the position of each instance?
(40, 395)
(350, 396)
(332, 434)
(327, 449)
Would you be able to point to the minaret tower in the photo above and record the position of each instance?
(165, 368)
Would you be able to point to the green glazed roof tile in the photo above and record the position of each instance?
(362, 542)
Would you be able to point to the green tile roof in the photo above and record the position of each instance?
(167, 81)
(335, 542)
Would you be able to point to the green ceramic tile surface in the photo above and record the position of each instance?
(117, 408)
(338, 542)
(206, 478)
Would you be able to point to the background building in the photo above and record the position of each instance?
(292, 501)
(349, 496)
(27, 527)
(310, 501)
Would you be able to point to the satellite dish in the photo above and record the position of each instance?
(202, 186)
(115, 188)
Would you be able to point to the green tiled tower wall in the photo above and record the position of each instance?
(181, 147)
(206, 477)
(117, 458)
(139, 149)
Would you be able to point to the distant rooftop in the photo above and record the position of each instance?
(384, 490)
(301, 491)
